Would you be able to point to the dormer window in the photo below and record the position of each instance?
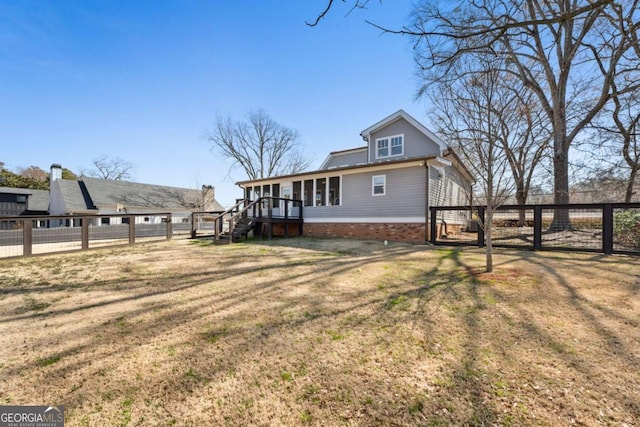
(389, 146)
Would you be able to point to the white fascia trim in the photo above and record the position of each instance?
(369, 220)
(383, 167)
(439, 164)
(441, 160)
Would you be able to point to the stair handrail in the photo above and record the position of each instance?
(220, 217)
(234, 218)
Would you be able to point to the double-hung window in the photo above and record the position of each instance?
(397, 146)
(390, 146)
(379, 185)
(383, 148)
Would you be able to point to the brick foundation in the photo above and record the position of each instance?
(412, 233)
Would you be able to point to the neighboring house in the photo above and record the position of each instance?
(382, 190)
(93, 196)
(22, 201)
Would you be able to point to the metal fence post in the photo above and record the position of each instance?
(607, 229)
(537, 228)
(85, 232)
(27, 237)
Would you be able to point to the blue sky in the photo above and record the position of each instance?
(144, 80)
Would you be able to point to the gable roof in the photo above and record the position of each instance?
(93, 193)
(12, 190)
(74, 198)
(401, 114)
(340, 153)
(38, 201)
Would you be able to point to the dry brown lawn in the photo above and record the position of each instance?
(322, 332)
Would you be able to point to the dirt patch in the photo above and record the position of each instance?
(322, 332)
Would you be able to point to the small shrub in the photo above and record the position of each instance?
(626, 227)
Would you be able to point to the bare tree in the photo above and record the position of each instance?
(471, 113)
(33, 172)
(259, 145)
(617, 142)
(355, 4)
(567, 52)
(110, 168)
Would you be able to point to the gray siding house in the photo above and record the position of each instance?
(93, 196)
(382, 190)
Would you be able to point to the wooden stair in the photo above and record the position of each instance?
(240, 229)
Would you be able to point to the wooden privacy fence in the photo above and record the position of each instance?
(30, 235)
(599, 227)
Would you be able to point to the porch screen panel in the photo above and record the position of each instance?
(308, 192)
(334, 190)
(321, 191)
(276, 190)
(297, 190)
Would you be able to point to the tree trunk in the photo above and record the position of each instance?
(632, 179)
(560, 184)
(521, 199)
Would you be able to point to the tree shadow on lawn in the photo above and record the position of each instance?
(610, 326)
(192, 340)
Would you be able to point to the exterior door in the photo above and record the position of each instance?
(286, 194)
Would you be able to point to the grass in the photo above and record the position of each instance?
(47, 361)
(322, 332)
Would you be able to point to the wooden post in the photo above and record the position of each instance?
(169, 227)
(286, 218)
(85, 232)
(193, 225)
(270, 214)
(434, 225)
(27, 237)
(301, 223)
(132, 229)
(481, 225)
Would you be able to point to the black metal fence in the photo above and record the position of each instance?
(607, 228)
(30, 235)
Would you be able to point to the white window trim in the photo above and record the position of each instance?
(389, 138)
(373, 185)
